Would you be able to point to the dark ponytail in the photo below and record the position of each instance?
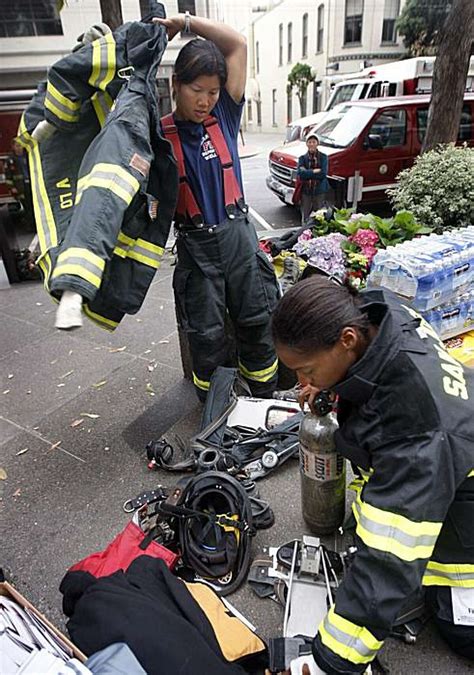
(312, 314)
(200, 57)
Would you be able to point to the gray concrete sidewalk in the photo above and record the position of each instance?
(76, 411)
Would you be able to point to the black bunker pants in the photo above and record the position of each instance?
(220, 269)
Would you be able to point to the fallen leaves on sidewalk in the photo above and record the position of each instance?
(149, 389)
(3, 474)
(93, 416)
(21, 452)
(112, 350)
(97, 385)
(55, 445)
(69, 372)
(77, 422)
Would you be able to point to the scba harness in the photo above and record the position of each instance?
(215, 526)
(187, 206)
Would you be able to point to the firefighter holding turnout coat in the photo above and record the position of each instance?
(405, 411)
(220, 268)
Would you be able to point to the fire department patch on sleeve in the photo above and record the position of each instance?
(140, 164)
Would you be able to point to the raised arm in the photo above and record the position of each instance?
(232, 44)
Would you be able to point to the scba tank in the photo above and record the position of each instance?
(322, 471)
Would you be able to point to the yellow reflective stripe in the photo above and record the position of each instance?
(125, 239)
(63, 100)
(63, 115)
(102, 321)
(449, 574)
(45, 224)
(95, 63)
(471, 474)
(153, 248)
(357, 484)
(137, 249)
(121, 252)
(102, 103)
(396, 521)
(348, 640)
(103, 62)
(259, 375)
(109, 75)
(44, 263)
(139, 257)
(78, 271)
(110, 177)
(84, 253)
(201, 384)
(385, 531)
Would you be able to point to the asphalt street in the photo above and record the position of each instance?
(76, 411)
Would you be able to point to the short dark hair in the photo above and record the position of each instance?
(313, 313)
(200, 57)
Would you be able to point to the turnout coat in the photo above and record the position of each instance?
(406, 421)
(104, 184)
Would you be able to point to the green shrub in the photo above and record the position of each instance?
(439, 188)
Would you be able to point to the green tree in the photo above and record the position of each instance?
(299, 78)
(450, 74)
(420, 23)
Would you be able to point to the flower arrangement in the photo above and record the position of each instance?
(343, 243)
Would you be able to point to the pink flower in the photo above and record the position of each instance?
(365, 238)
(305, 236)
(368, 252)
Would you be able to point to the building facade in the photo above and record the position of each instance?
(33, 35)
(334, 37)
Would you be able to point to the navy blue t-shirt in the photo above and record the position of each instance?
(203, 168)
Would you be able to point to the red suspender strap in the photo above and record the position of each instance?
(232, 191)
(186, 202)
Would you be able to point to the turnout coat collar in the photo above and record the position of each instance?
(397, 331)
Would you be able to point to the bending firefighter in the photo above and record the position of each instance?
(220, 269)
(405, 420)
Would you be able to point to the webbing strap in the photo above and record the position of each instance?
(219, 519)
(186, 201)
(232, 192)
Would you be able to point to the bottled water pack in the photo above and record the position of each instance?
(430, 271)
(453, 317)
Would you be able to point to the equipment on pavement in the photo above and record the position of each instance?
(322, 470)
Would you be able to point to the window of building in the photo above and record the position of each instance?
(304, 41)
(320, 34)
(164, 95)
(465, 124)
(353, 23)
(317, 96)
(390, 14)
(274, 108)
(259, 113)
(391, 126)
(249, 110)
(289, 107)
(29, 17)
(280, 44)
(187, 6)
(290, 41)
(257, 58)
